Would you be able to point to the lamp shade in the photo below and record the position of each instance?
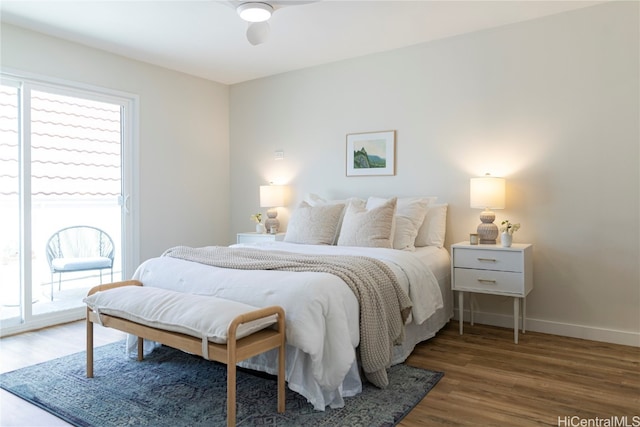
(487, 192)
(272, 196)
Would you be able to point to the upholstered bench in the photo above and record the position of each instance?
(214, 328)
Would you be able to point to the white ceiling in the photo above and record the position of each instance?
(207, 38)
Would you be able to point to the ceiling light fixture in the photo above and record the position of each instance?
(255, 11)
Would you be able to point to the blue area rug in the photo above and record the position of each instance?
(173, 389)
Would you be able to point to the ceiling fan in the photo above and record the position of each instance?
(257, 14)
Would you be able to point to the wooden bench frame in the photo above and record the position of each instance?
(234, 351)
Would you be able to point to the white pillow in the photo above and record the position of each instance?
(314, 225)
(410, 214)
(431, 200)
(368, 227)
(434, 228)
(315, 200)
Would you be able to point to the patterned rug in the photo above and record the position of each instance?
(171, 388)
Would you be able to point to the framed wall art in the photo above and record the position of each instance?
(372, 153)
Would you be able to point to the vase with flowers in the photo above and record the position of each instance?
(507, 229)
(257, 218)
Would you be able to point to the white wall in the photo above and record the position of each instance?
(183, 135)
(550, 104)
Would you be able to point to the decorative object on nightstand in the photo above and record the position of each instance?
(493, 270)
(272, 197)
(257, 218)
(487, 193)
(259, 237)
(507, 229)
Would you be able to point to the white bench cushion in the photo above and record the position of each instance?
(196, 315)
(89, 263)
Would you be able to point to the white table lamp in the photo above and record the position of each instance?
(487, 193)
(272, 197)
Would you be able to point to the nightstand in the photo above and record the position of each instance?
(493, 270)
(253, 237)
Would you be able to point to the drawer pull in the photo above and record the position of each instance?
(487, 281)
(487, 259)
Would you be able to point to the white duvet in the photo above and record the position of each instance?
(321, 311)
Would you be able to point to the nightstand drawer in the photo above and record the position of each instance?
(488, 259)
(488, 281)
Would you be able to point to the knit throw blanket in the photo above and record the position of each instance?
(384, 305)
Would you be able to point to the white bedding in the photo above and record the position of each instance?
(321, 311)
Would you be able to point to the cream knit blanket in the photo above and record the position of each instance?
(384, 305)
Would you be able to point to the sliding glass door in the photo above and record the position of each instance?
(64, 223)
(10, 283)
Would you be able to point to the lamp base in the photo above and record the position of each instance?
(272, 224)
(487, 230)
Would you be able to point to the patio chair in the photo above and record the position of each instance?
(79, 248)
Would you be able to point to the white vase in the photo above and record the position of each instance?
(506, 239)
(260, 228)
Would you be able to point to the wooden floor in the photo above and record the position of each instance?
(489, 380)
(543, 380)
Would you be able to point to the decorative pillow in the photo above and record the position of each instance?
(315, 200)
(431, 200)
(314, 225)
(368, 227)
(433, 229)
(410, 214)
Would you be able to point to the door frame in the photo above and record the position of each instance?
(129, 199)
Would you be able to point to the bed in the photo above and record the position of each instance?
(323, 324)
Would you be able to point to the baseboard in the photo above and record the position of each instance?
(44, 321)
(557, 328)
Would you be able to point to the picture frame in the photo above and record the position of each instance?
(371, 153)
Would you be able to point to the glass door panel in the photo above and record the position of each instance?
(75, 182)
(61, 167)
(10, 282)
